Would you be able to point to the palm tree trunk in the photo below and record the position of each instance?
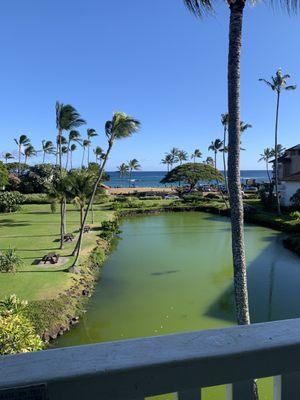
(276, 155)
(82, 161)
(77, 248)
(224, 160)
(67, 161)
(268, 173)
(71, 159)
(61, 224)
(234, 180)
(19, 167)
(88, 156)
(44, 154)
(81, 214)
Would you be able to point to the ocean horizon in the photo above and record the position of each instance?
(152, 178)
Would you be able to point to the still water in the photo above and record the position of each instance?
(173, 272)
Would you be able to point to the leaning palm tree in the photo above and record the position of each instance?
(85, 145)
(266, 156)
(74, 136)
(47, 148)
(29, 152)
(123, 170)
(197, 154)
(90, 134)
(182, 156)
(22, 142)
(98, 151)
(133, 165)
(168, 160)
(119, 127)
(216, 146)
(73, 147)
(7, 156)
(278, 83)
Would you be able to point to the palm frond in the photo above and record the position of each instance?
(198, 7)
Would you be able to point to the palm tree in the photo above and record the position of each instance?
(29, 152)
(278, 84)
(266, 156)
(182, 156)
(123, 170)
(224, 122)
(7, 156)
(174, 154)
(133, 165)
(73, 147)
(74, 136)
(119, 127)
(23, 141)
(60, 141)
(197, 154)
(98, 151)
(47, 148)
(209, 161)
(90, 134)
(280, 150)
(168, 160)
(85, 144)
(216, 146)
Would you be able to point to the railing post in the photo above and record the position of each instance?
(277, 387)
(290, 386)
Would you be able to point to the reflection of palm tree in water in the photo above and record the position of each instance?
(272, 280)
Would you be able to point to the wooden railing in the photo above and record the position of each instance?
(181, 364)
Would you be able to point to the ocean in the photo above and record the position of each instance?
(152, 178)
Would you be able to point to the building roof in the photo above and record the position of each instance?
(292, 178)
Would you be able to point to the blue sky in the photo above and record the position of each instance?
(150, 59)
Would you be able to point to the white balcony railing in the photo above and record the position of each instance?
(181, 364)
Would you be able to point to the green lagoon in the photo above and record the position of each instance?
(172, 272)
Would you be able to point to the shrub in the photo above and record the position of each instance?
(10, 261)
(53, 206)
(150, 198)
(36, 198)
(17, 334)
(212, 196)
(267, 198)
(10, 201)
(109, 229)
(193, 197)
(295, 215)
(295, 199)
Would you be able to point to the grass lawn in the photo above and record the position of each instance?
(33, 232)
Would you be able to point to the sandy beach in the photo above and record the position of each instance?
(158, 190)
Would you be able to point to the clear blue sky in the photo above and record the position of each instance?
(150, 59)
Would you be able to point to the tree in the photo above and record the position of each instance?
(22, 142)
(266, 156)
(7, 156)
(278, 83)
(73, 147)
(192, 173)
(74, 136)
(224, 122)
(197, 154)
(90, 134)
(60, 141)
(29, 152)
(3, 175)
(174, 155)
(119, 127)
(80, 187)
(99, 154)
(133, 165)
(210, 161)
(216, 146)
(47, 148)
(168, 160)
(123, 170)
(85, 144)
(182, 156)
(38, 178)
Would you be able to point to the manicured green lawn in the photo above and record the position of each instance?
(33, 232)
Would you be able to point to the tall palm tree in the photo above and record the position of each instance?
(168, 160)
(182, 156)
(7, 156)
(60, 141)
(278, 83)
(123, 170)
(197, 154)
(22, 142)
(266, 156)
(280, 150)
(119, 127)
(90, 134)
(74, 136)
(224, 122)
(73, 147)
(85, 145)
(216, 146)
(174, 154)
(47, 148)
(67, 118)
(29, 152)
(98, 151)
(133, 165)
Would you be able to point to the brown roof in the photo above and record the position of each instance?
(293, 178)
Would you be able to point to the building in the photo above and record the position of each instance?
(288, 174)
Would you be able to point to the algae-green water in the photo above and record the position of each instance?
(172, 273)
